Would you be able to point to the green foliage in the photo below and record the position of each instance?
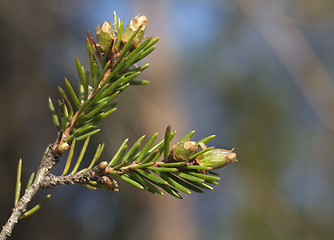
(110, 61)
(18, 182)
(143, 169)
(112, 70)
(161, 167)
(36, 207)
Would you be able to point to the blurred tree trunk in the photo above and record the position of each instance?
(27, 29)
(151, 109)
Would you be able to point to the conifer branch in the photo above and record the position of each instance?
(184, 167)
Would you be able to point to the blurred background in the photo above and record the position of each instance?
(257, 73)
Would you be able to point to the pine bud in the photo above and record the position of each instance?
(217, 158)
(104, 34)
(183, 150)
(135, 23)
(111, 184)
(63, 146)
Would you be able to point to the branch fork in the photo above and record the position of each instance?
(186, 167)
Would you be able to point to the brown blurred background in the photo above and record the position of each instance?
(257, 73)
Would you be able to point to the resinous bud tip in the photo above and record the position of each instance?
(183, 150)
(104, 34)
(217, 158)
(135, 23)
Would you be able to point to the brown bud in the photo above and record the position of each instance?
(110, 183)
(63, 146)
(102, 165)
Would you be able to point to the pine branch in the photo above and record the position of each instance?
(184, 167)
(96, 173)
